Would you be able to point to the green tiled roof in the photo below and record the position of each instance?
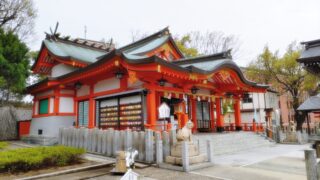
(148, 46)
(208, 65)
(75, 52)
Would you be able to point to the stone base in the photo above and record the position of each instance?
(41, 140)
(291, 137)
(176, 149)
(238, 128)
(220, 129)
(192, 159)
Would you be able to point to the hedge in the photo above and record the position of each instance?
(38, 157)
(3, 145)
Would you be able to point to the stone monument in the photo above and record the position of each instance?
(124, 161)
(194, 155)
(291, 135)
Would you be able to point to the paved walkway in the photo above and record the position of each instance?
(277, 162)
(280, 162)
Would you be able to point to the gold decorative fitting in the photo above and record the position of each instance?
(73, 63)
(159, 68)
(205, 81)
(224, 75)
(116, 63)
(193, 77)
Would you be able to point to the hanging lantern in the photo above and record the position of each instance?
(194, 90)
(169, 96)
(119, 74)
(229, 94)
(246, 95)
(162, 82)
(77, 85)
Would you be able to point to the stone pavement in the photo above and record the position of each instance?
(277, 162)
(265, 163)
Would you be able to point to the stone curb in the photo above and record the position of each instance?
(67, 171)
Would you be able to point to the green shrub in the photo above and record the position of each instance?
(3, 145)
(33, 158)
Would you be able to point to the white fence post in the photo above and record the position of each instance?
(185, 156)
(311, 164)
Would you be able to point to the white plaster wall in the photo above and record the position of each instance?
(51, 101)
(261, 100)
(84, 90)
(61, 69)
(45, 93)
(107, 84)
(246, 105)
(50, 125)
(67, 91)
(130, 99)
(109, 102)
(66, 105)
(137, 84)
(203, 91)
(36, 108)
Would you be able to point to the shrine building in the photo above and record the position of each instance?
(93, 84)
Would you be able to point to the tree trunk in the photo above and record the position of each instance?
(298, 116)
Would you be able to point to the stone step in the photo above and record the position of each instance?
(231, 142)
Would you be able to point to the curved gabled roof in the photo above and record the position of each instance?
(136, 53)
(203, 65)
(150, 43)
(66, 51)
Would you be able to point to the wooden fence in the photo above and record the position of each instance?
(8, 124)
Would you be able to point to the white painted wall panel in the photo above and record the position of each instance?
(137, 84)
(50, 125)
(45, 93)
(51, 106)
(67, 91)
(84, 90)
(130, 99)
(107, 84)
(203, 91)
(66, 105)
(61, 69)
(36, 108)
(109, 102)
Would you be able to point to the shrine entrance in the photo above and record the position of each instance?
(203, 116)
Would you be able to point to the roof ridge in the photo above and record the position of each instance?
(216, 56)
(140, 41)
(84, 43)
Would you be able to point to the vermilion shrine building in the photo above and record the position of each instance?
(92, 84)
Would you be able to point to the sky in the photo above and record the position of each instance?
(256, 23)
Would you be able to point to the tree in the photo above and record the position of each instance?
(285, 74)
(17, 16)
(183, 45)
(34, 78)
(196, 43)
(14, 66)
(210, 42)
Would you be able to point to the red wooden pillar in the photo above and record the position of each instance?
(92, 105)
(220, 122)
(152, 108)
(212, 115)
(237, 114)
(194, 114)
(56, 101)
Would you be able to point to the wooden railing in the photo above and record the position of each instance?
(256, 127)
